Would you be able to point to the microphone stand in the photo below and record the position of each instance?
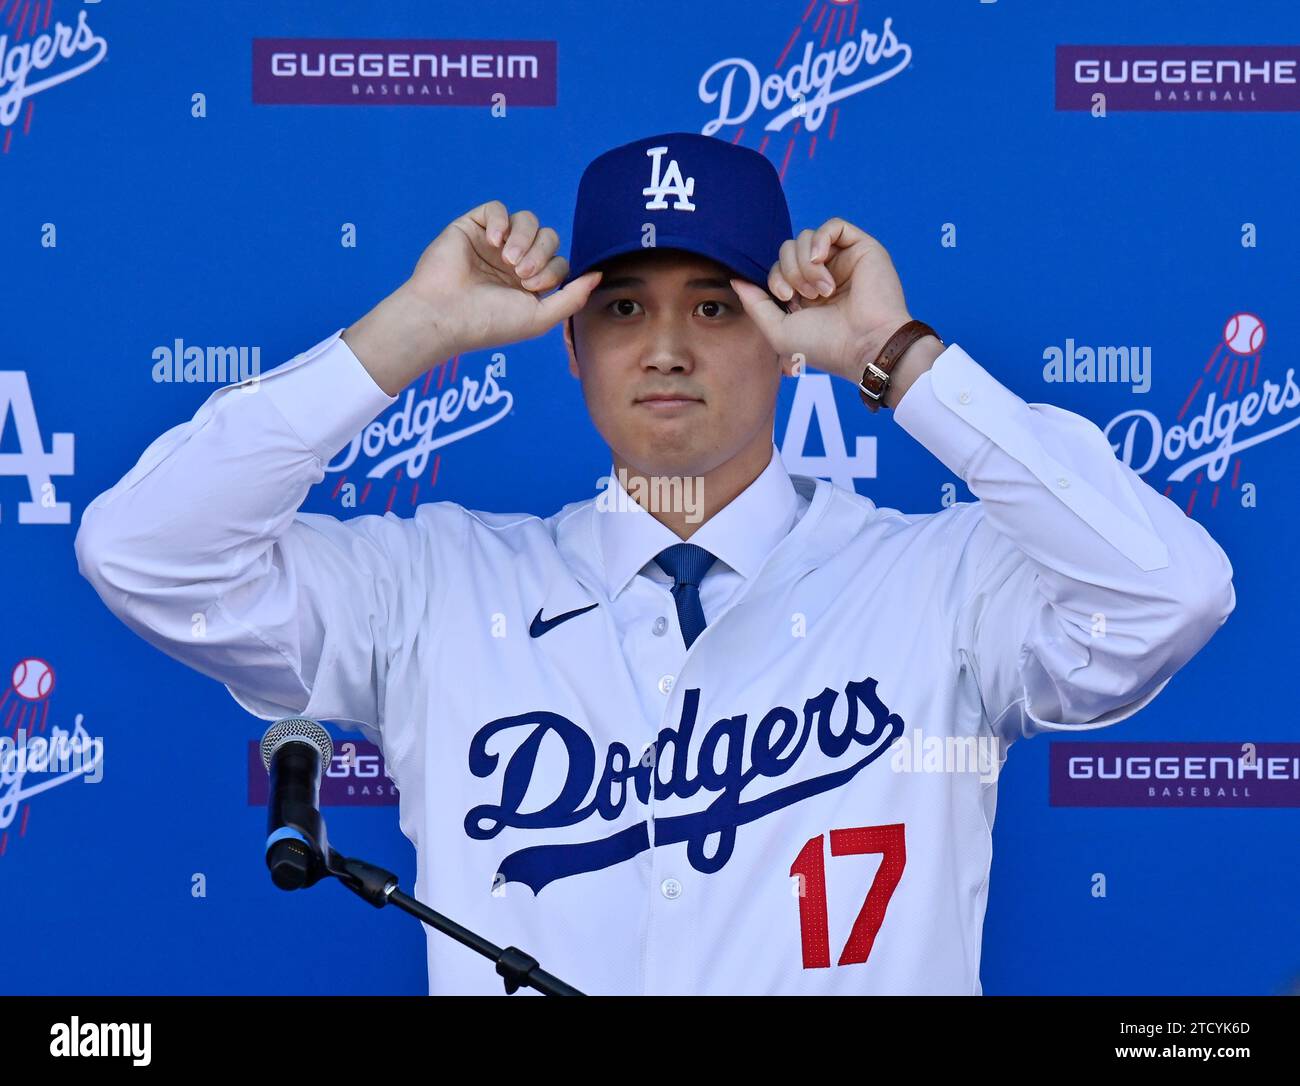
(296, 860)
(379, 888)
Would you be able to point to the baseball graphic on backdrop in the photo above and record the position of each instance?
(33, 679)
(1244, 333)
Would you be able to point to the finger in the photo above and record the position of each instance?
(551, 275)
(819, 254)
(814, 273)
(836, 233)
(523, 230)
(762, 310)
(789, 260)
(566, 301)
(493, 218)
(778, 284)
(543, 247)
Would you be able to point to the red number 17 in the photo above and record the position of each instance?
(810, 868)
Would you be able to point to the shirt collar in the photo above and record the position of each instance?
(741, 535)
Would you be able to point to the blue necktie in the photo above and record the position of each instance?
(687, 564)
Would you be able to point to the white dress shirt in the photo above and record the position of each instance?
(1063, 599)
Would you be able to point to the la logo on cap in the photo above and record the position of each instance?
(670, 183)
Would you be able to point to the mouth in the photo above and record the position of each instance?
(667, 404)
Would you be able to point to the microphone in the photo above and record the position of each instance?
(295, 751)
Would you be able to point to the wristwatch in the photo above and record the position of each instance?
(875, 378)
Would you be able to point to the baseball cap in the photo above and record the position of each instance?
(699, 193)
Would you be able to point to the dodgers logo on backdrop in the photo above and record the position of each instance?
(31, 761)
(834, 61)
(36, 57)
(588, 789)
(31, 462)
(1239, 408)
(397, 455)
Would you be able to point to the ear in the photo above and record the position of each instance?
(568, 344)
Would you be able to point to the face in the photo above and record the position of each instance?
(666, 323)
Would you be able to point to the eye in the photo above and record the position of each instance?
(622, 301)
(721, 306)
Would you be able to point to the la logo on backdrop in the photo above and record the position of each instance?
(35, 757)
(23, 454)
(37, 55)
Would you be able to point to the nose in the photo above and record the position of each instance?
(667, 347)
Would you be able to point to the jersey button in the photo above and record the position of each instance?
(661, 624)
(671, 889)
(666, 685)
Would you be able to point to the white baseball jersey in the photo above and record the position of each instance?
(802, 802)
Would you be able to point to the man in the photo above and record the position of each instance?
(659, 747)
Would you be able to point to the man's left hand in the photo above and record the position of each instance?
(846, 300)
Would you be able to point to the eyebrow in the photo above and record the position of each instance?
(710, 282)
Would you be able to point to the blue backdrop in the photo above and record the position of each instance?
(150, 198)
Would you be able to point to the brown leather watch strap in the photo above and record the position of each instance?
(875, 378)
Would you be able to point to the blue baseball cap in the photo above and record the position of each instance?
(699, 193)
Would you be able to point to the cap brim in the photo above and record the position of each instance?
(741, 265)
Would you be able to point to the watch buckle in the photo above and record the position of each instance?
(883, 376)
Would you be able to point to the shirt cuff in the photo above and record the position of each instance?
(927, 409)
(963, 409)
(325, 394)
(1034, 725)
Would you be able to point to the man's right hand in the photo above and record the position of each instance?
(478, 284)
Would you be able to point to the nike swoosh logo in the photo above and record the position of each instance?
(540, 627)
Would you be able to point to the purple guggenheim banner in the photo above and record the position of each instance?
(402, 71)
(1175, 774)
(1242, 78)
